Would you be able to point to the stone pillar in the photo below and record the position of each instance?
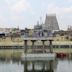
(25, 52)
(25, 45)
(33, 64)
(43, 49)
(50, 46)
(51, 51)
(33, 41)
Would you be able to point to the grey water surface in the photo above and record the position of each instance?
(62, 66)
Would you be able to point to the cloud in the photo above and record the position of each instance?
(20, 6)
(17, 18)
(52, 8)
(69, 0)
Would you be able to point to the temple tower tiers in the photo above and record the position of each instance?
(51, 22)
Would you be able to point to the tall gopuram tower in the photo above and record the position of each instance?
(51, 22)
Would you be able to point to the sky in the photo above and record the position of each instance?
(26, 13)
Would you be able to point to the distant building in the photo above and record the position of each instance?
(5, 30)
(39, 31)
(51, 22)
(2, 35)
(47, 28)
(27, 32)
(15, 32)
(69, 28)
(63, 35)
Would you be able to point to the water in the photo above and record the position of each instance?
(10, 67)
(62, 66)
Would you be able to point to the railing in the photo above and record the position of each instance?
(36, 47)
(36, 38)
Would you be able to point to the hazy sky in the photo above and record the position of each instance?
(26, 13)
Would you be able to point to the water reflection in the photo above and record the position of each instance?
(59, 66)
(10, 67)
(40, 66)
(64, 66)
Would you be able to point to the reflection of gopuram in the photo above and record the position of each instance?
(38, 62)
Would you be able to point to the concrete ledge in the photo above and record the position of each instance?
(38, 38)
(38, 57)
